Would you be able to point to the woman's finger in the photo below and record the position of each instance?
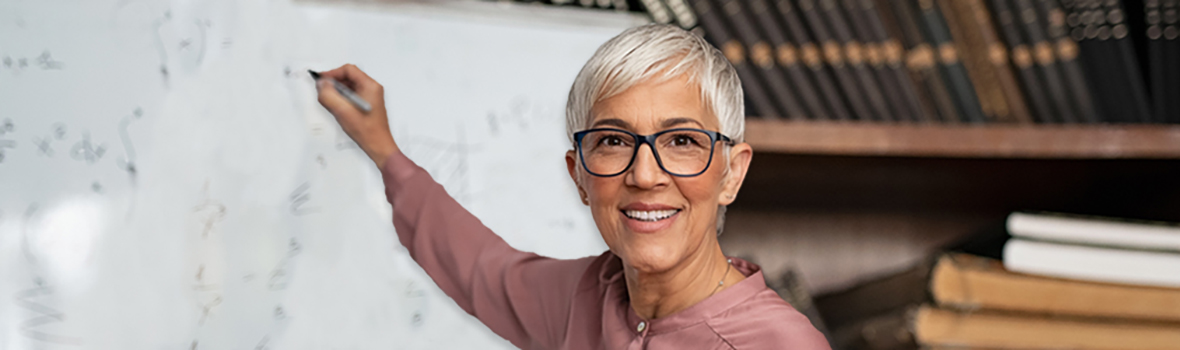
(332, 100)
(356, 79)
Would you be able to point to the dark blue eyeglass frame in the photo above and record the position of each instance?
(650, 141)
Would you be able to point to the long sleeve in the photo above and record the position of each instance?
(523, 297)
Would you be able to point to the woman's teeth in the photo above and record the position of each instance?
(650, 215)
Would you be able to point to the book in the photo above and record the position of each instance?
(1095, 230)
(938, 327)
(1066, 51)
(920, 56)
(809, 54)
(786, 54)
(971, 45)
(761, 56)
(1091, 263)
(1109, 57)
(1163, 35)
(682, 12)
(888, 294)
(953, 72)
(968, 282)
(658, 12)
(1022, 59)
(1046, 61)
(833, 55)
(855, 58)
(889, 55)
(758, 102)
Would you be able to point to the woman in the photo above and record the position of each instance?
(655, 119)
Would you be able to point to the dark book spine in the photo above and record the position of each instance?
(787, 56)
(921, 56)
(1066, 51)
(889, 50)
(809, 55)
(1106, 30)
(891, 87)
(762, 59)
(974, 57)
(978, 16)
(894, 51)
(951, 66)
(1022, 59)
(1163, 53)
(833, 54)
(682, 12)
(656, 9)
(1046, 61)
(854, 56)
(715, 30)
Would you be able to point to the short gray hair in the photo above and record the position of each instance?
(639, 54)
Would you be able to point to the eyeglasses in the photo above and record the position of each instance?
(683, 152)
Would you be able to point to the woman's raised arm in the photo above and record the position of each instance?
(521, 296)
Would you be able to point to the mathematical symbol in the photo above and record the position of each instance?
(85, 150)
(59, 131)
(7, 127)
(298, 198)
(43, 146)
(46, 61)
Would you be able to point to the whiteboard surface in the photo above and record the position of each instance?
(168, 180)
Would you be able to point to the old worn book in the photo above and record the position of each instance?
(759, 103)
(919, 56)
(761, 57)
(1163, 47)
(950, 63)
(809, 54)
(1046, 61)
(786, 55)
(968, 42)
(888, 51)
(871, 46)
(968, 282)
(855, 57)
(1066, 51)
(1022, 59)
(833, 55)
(936, 327)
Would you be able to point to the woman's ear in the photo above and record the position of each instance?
(739, 163)
(571, 164)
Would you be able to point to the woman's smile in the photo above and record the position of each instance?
(649, 218)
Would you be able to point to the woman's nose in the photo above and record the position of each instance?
(646, 172)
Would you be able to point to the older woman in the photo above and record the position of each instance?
(655, 119)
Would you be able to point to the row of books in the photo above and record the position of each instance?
(1065, 282)
(950, 61)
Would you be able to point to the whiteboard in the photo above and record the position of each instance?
(168, 180)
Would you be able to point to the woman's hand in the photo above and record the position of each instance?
(369, 130)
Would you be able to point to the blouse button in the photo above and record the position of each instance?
(641, 327)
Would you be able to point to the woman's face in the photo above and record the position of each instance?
(631, 209)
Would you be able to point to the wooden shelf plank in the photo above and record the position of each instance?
(1106, 141)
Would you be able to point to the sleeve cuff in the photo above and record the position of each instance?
(397, 170)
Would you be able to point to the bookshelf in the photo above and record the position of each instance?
(1103, 141)
(846, 201)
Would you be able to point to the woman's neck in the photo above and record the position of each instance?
(655, 295)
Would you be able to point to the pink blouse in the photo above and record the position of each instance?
(544, 303)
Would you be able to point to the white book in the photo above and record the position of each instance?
(1088, 263)
(1150, 235)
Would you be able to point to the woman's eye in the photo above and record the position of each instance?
(682, 141)
(612, 141)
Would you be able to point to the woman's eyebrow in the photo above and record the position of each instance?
(670, 122)
(612, 122)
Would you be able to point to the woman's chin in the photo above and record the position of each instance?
(653, 260)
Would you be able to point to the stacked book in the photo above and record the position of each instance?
(1066, 282)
